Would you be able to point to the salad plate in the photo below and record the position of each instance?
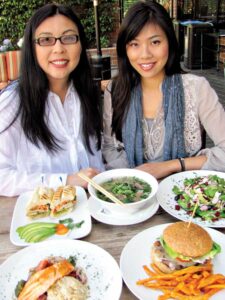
(80, 213)
(105, 216)
(166, 197)
(103, 273)
(141, 244)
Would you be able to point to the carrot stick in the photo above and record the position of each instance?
(61, 229)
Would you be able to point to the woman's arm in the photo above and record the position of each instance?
(165, 168)
(13, 182)
(212, 117)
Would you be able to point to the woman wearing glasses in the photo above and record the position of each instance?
(50, 125)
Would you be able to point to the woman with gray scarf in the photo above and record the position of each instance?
(154, 114)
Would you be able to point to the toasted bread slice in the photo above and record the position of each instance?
(56, 199)
(63, 201)
(45, 195)
(69, 193)
(39, 204)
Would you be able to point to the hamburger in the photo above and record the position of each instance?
(182, 246)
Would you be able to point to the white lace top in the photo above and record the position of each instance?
(23, 164)
(202, 110)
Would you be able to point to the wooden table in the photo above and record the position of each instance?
(111, 238)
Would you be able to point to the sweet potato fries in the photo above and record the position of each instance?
(192, 283)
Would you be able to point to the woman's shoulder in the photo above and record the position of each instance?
(9, 103)
(194, 81)
(10, 87)
(198, 90)
(10, 92)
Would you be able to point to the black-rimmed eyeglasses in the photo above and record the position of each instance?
(51, 40)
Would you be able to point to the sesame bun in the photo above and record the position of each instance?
(193, 240)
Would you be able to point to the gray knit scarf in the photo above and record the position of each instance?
(173, 106)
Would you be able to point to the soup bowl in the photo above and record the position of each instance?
(127, 208)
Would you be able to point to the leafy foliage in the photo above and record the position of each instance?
(15, 13)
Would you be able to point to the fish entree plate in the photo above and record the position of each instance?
(103, 274)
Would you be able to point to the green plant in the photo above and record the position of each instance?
(104, 41)
(107, 11)
(15, 13)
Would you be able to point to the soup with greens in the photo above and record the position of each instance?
(126, 189)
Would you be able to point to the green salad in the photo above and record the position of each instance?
(205, 195)
(126, 189)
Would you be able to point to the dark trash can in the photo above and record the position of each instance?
(101, 67)
(179, 31)
(193, 44)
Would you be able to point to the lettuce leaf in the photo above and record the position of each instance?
(173, 254)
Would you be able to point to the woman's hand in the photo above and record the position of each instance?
(74, 179)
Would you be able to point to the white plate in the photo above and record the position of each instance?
(166, 197)
(104, 277)
(141, 244)
(80, 213)
(107, 217)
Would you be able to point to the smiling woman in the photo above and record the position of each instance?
(52, 128)
(154, 113)
(58, 51)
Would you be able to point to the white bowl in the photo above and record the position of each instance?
(127, 208)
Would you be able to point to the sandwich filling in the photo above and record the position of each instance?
(177, 261)
(63, 200)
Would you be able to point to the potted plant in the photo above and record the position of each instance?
(224, 68)
(6, 44)
(10, 59)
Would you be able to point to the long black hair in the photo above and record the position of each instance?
(34, 86)
(140, 14)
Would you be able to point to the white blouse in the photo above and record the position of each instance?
(202, 110)
(23, 165)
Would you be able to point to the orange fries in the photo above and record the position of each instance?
(192, 283)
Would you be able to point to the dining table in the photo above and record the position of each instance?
(111, 238)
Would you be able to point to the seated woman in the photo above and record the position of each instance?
(154, 114)
(50, 123)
